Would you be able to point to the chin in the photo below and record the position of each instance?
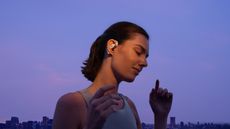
(129, 79)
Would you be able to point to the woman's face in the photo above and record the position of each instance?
(130, 57)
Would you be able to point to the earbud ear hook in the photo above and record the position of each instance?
(115, 44)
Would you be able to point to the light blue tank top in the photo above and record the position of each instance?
(121, 119)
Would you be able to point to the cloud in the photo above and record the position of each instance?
(55, 77)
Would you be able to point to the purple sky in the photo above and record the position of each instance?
(43, 45)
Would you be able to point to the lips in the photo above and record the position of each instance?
(137, 70)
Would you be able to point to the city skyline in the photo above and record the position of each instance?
(46, 123)
(43, 45)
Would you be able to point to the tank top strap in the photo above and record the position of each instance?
(86, 95)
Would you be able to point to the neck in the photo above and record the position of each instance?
(105, 77)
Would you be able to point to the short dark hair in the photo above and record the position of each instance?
(119, 31)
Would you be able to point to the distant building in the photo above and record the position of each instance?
(172, 124)
(46, 123)
(147, 126)
(2, 126)
(15, 120)
(13, 123)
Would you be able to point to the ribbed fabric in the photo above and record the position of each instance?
(121, 119)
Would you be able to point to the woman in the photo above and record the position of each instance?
(119, 54)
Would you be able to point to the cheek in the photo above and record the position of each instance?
(122, 67)
(130, 58)
(124, 62)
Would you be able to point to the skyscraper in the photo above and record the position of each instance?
(172, 122)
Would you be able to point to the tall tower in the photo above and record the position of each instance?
(172, 122)
(45, 122)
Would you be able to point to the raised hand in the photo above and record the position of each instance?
(101, 106)
(160, 100)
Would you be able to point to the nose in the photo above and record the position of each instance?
(144, 62)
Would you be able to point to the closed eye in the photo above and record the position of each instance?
(141, 50)
(138, 52)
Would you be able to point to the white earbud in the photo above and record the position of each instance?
(114, 45)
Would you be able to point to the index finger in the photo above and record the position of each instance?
(102, 90)
(157, 85)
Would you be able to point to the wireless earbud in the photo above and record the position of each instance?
(114, 45)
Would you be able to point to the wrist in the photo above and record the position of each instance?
(161, 116)
(160, 122)
(161, 119)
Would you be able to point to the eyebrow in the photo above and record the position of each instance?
(143, 49)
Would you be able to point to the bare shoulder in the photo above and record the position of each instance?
(70, 111)
(73, 99)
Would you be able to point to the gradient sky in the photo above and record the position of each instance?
(43, 44)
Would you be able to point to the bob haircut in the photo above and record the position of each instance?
(119, 31)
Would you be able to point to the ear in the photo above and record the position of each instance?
(111, 45)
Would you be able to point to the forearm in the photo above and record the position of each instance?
(160, 122)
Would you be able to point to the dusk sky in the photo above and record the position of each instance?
(43, 44)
